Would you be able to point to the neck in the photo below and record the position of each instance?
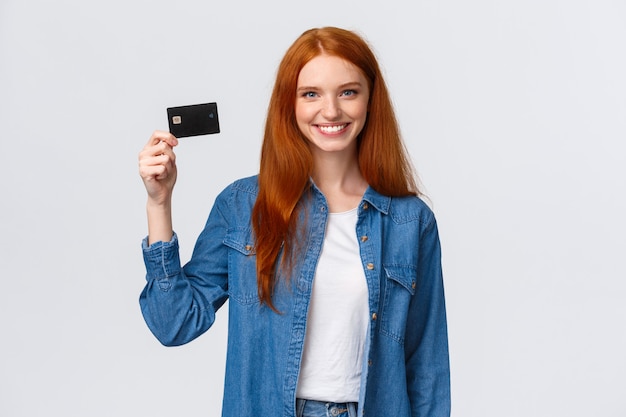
(340, 180)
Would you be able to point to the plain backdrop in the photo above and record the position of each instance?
(513, 111)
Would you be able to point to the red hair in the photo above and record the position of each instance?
(286, 160)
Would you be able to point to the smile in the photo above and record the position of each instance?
(332, 129)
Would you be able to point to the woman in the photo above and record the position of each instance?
(329, 258)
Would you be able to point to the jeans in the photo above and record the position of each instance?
(310, 408)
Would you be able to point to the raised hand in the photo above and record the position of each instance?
(157, 167)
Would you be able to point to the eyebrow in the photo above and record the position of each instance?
(341, 87)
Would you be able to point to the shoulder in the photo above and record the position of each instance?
(235, 201)
(247, 185)
(242, 188)
(410, 209)
(401, 210)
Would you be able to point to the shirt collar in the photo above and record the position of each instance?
(379, 201)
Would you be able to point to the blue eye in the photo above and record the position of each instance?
(309, 94)
(349, 93)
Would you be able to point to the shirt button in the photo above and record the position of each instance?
(413, 284)
(369, 362)
(370, 266)
(363, 238)
(248, 247)
(365, 206)
(374, 316)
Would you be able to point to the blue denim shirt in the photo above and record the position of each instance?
(406, 372)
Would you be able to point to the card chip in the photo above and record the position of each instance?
(176, 120)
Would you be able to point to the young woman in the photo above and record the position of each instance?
(329, 258)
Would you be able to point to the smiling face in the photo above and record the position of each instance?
(331, 104)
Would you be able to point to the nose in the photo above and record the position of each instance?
(330, 108)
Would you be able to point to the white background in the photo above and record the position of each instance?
(514, 113)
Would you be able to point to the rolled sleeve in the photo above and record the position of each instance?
(162, 259)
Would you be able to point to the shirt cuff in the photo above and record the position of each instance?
(162, 259)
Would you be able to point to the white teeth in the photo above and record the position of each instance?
(331, 129)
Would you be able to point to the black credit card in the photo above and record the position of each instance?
(194, 120)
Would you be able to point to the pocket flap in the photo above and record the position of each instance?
(240, 240)
(403, 275)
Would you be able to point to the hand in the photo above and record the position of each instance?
(157, 167)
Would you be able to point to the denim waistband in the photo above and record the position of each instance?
(311, 408)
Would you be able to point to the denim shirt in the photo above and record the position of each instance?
(406, 371)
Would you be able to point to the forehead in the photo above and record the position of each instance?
(328, 69)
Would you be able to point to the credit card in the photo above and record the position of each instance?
(193, 120)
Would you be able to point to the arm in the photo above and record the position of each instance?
(177, 304)
(426, 343)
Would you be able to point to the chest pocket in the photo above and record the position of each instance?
(242, 286)
(400, 282)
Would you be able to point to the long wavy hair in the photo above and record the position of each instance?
(286, 160)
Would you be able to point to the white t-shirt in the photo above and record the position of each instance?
(337, 320)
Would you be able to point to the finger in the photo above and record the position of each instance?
(158, 173)
(162, 136)
(167, 172)
(169, 168)
(151, 172)
(161, 148)
(165, 160)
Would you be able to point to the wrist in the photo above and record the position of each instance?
(159, 205)
(159, 221)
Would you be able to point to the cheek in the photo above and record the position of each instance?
(300, 114)
(304, 115)
(360, 111)
(302, 120)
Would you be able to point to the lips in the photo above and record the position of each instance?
(332, 128)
